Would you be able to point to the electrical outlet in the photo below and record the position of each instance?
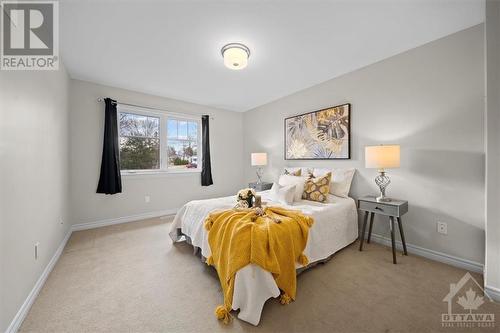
(37, 245)
(442, 228)
(147, 199)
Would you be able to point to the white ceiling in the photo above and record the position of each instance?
(172, 48)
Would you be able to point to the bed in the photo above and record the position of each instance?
(335, 227)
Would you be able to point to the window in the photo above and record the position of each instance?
(182, 143)
(155, 141)
(139, 142)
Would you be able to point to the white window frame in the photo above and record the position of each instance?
(164, 116)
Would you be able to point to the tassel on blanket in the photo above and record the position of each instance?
(208, 223)
(285, 299)
(223, 314)
(210, 261)
(303, 260)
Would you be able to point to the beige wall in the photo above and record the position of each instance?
(431, 101)
(34, 179)
(492, 276)
(166, 192)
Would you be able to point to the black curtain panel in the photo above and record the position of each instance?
(206, 168)
(110, 181)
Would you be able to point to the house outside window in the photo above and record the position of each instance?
(182, 143)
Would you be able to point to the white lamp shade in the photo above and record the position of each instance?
(259, 159)
(382, 157)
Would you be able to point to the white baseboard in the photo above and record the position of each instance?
(431, 254)
(125, 219)
(493, 292)
(23, 311)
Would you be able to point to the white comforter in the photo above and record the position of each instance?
(335, 226)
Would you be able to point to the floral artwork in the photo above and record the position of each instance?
(323, 134)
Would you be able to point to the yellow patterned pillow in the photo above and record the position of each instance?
(297, 172)
(316, 189)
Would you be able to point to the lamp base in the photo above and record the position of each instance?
(383, 198)
(259, 175)
(382, 180)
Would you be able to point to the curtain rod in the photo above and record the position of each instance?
(100, 99)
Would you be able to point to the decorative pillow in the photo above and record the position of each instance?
(292, 172)
(316, 189)
(283, 195)
(341, 180)
(298, 181)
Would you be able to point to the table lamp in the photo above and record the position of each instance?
(259, 160)
(382, 157)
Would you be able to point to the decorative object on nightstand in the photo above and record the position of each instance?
(259, 160)
(382, 157)
(394, 209)
(262, 186)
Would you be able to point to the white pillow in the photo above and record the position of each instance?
(298, 181)
(341, 180)
(283, 195)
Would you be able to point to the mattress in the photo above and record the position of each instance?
(335, 226)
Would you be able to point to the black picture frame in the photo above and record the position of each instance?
(319, 158)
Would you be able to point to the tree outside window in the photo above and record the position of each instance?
(139, 142)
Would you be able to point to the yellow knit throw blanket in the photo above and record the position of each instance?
(274, 240)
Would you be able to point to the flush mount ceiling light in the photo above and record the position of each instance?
(235, 55)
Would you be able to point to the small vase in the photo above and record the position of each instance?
(258, 201)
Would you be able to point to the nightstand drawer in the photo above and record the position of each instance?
(379, 208)
(260, 186)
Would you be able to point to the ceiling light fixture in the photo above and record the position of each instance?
(235, 55)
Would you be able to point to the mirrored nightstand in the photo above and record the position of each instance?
(260, 186)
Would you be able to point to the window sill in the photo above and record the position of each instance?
(125, 173)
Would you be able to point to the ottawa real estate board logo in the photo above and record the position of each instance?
(464, 305)
(29, 35)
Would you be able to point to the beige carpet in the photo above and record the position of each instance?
(130, 278)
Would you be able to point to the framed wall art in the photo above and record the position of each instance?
(319, 135)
